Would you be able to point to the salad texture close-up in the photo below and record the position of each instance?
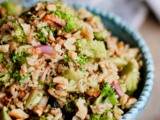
(61, 63)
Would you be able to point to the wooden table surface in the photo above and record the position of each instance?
(150, 31)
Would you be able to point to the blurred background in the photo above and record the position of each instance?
(144, 17)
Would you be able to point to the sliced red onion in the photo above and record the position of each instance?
(45, 49)
(117, 89)
(43, 77)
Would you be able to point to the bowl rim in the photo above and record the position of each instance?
(137, 108)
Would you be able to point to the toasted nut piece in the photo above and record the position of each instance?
(19, 114)
(51, 7)
(38, 110)
(87, 32)
(4, 48)
(53, 20)
(130, 103)
(93, 93)
(124, 99)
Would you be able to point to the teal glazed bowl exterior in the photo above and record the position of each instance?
(127, 35)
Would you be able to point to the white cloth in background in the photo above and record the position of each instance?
(155, 6)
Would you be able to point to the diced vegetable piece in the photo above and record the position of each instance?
(12, 8)
(18, 77)
(4, 114)
(23, 48)
(113, 99)
(119, 62)
(82, 59)
(34, 98)
(4, 48)
(18, 114)
(42, 118)
(4, 77)
(106, 117)
(131, 71)
(74, 75)
(107, 95)
(20, 57)
(1, 57)
(92, 48)
(18, 35)
(100, 35)
(95, 117)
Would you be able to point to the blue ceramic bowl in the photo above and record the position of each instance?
(124, 33)
(127, 35)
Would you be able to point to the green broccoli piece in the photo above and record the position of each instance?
(18, 77)
(12, 8)
(19, 35)
(107, 95)
(100, 35)
(119, 62)
(73, 74)
(131, 71)
(43, 117)
(1, 57)
(4, 77)
(19, 57)
(40, 36)
(95, 117)
(33, 99)
(4, 114)
(105, 117)
(92, 48)
(73, 23)
(82, 59)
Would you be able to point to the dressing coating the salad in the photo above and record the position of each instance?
(61, 63)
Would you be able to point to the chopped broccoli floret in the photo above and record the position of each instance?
(107, 94)
(41, 36)
(4, 114)
(119, 62)
(82, 59)
(12, 8)
(4, 77)
(1, 57)
(100, 35)
(73, 74)
(105, 116)
(18, 77)
(73, 23)
(95, 117)
(19, 57)
(33, 99)
(43, 117)
(132, 76)
(19, 35)
(92, 48)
